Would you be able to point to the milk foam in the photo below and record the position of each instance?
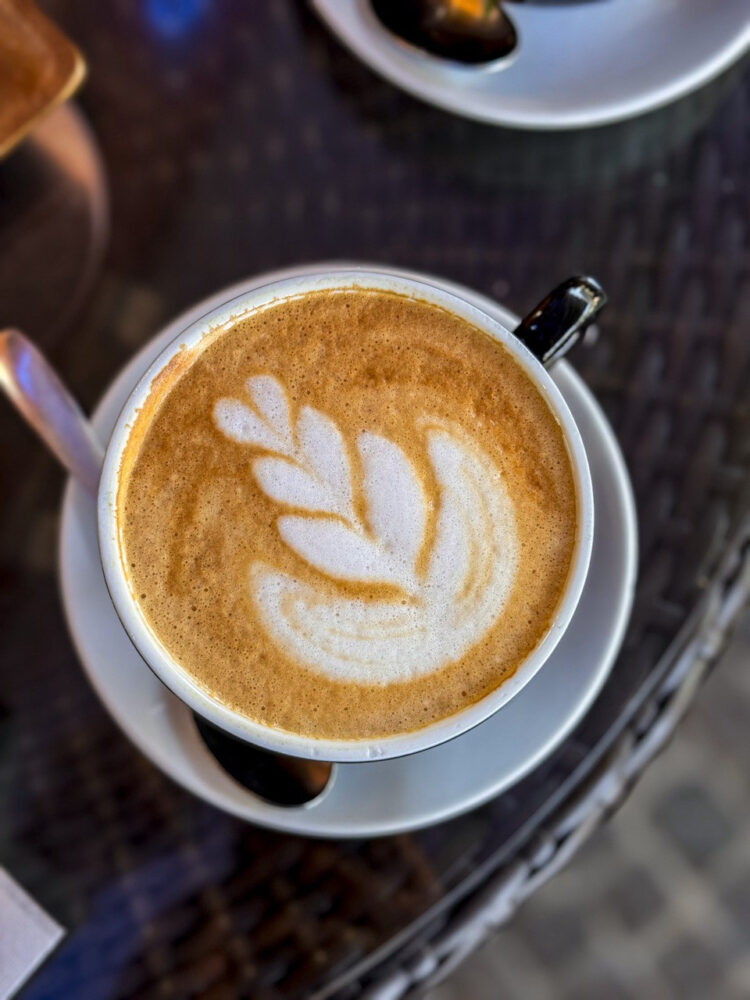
(433, 617)
(380, 420)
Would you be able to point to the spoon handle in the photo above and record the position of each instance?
(31, 384)
(559, 321)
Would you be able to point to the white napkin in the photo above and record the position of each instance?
(27, 935)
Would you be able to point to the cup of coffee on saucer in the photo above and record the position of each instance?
(345, 516)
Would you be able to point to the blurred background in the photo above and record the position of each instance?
(657, 905)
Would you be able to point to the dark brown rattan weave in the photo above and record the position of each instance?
(247, 140)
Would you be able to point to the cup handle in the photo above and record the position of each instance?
(558, 322)
(31, 384)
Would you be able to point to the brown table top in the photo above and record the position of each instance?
(241, 137)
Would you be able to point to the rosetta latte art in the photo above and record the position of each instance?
(433, 617)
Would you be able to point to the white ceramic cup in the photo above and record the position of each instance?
(180, 681)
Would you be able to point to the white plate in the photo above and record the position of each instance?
(577, 65)
(379, 797)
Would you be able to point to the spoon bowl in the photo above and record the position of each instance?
(469, 35)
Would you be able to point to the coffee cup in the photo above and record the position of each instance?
(548, 331)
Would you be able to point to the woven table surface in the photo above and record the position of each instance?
(239, 138)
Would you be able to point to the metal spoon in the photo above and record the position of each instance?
(468, 33)
(281, 780)
(35, 390)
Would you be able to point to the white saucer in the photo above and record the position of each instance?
(378, 797)
(577, 65)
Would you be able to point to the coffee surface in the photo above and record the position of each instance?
(351, 514)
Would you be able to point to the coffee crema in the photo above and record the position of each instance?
(349, 514)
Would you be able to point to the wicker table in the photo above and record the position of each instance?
(238, 138)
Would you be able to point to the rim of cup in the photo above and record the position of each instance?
(153, 651)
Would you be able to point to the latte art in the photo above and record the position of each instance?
(348, 514)
(433, 617)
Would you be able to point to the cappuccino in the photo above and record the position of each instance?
(348, 514)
